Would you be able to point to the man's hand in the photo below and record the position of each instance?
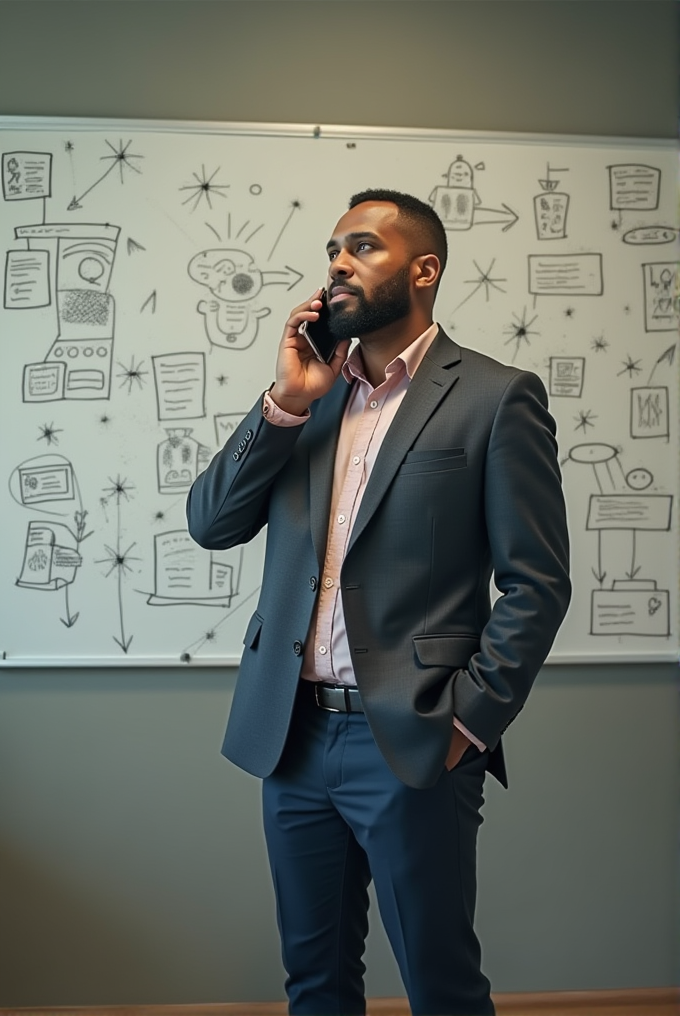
(300, 377)
(459, 742)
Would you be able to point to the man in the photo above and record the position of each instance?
(376, 679)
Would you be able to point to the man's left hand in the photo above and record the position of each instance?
(459, 742)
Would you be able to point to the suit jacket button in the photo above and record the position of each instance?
(249, 434)
(236, 456)
(297, 647)
(312, 582)
(241, 446)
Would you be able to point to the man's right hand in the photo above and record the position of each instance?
(300, 376)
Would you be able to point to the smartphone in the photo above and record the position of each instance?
(318, 333)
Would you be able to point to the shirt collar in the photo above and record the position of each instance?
(409, 358)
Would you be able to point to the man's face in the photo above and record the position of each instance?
(369, 280)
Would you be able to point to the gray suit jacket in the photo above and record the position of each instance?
(466, 482)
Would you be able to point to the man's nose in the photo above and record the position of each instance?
(340, 266)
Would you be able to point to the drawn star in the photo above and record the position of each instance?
(159, 516)
(69, 146)
(48, 433)
(630, 366)
(615, 225)
(485, 279)
(626, 309)
(222, 380)
(599, 344)
(204, 188)
(119, 488)
(105, 419)
(210, 635)
(121, 157)
(519, 331)
(118, 561)
(569, 312)
(132, 374)
(585, 419)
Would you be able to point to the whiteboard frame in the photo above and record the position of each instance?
(341, 132)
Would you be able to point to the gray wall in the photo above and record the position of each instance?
(132, 866)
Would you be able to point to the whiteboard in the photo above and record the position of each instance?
(148, 271)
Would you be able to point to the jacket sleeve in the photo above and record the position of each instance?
(228, 503)
(526, 522)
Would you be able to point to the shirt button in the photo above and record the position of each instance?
(373, 404)
(312, 581)
(297, 647)
(341, 519)
(323, 650)
(356, 460)
(328, 582)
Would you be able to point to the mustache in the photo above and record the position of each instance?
(355, 290)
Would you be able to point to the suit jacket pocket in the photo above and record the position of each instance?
(252, 635)
(445, 650)
(434, 460)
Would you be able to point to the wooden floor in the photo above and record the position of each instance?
(638, 1002)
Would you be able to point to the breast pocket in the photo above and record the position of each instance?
(434, 460)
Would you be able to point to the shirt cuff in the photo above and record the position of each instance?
(274, 414)
(471, 737)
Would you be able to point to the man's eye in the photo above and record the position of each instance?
(364, 243)
(332, 254)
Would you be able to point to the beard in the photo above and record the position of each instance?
(391, 301)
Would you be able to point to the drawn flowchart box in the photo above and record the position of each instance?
(651, 512)
(566, 376)
(634, 186)
(26, 175)
(27, 279)
(630, 612)
(659, 289)
(566, 275)
(649, 412)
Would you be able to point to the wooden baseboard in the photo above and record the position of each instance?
(621, 1002)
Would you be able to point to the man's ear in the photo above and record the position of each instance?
(427, 270)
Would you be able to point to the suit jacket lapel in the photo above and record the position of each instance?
(328, 413)
(431, 382)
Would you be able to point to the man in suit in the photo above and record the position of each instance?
(376, 679)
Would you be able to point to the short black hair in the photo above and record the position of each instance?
(425, 225)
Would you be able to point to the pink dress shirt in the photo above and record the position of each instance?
(367, 418)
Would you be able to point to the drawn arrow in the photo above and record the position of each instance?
(496, 216)
(668, 356)
(290, 277)
(75, 203)
(633, 569)
(70, 619)
(149, 300)
(133, 246)
(600, 575)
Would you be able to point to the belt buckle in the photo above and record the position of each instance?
(329, 709)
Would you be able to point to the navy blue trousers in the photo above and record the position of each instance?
(336, 817)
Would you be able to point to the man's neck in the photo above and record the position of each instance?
(381, 347)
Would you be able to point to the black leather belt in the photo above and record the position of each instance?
(336, 698)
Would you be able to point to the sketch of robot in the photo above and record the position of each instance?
(78, 364)
(551, 208)
(180, 458)
(631, 603)
(52, 555)
(458, 204)
(231, 319)
(187, 575)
